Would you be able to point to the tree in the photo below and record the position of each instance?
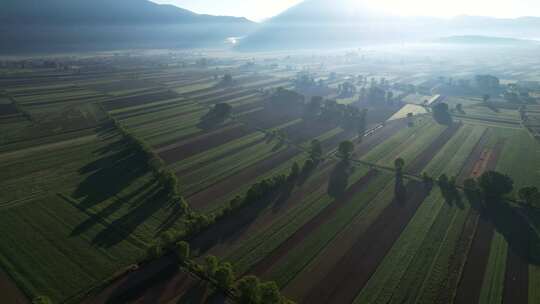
(270, 293)
(399, 163)
(210, 265)
(494, 185)
(295, 172)
(441, 114)
(472, 191)
(530, 196)
(427, 180)
(249, 289)
(41, 300)
(225, 275)
(485, 98)
(345, 149)
(459, 108)
(315, 150)
(154, 251)
(182, 251)
(389, 96)
(227, 79)
(443, 181)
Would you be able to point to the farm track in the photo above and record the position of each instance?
(296, 238)
(355, 268)
(470, 284)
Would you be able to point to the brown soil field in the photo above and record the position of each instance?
(207, 197)
(190, 147)
(296, 238)
(355, 268)
(9, 292)
(472, 275)
(130, 101)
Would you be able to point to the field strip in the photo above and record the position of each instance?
(313, 224)
(492, 287)
(40, 148)
(17, 202)
(133, 239)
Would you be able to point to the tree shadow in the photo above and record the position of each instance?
(232, 226)
(123, 227)
(195, 295)
(509, 221)
(108, 176)
(208, 123)
(339, 179)
(139, 281)
(400, 191)
(521, 237)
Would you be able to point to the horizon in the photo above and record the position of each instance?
(262, 10)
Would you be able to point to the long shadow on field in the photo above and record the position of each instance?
(109, 175)
(233, 225)
(339, 179)
(508, 220)
(113, 207)
(124, 226)
(521, 237)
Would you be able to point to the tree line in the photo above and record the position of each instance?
(248, 289)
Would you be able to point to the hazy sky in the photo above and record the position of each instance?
(260, 9)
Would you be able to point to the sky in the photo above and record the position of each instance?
(258, 10)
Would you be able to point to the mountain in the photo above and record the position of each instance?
(347, 23)
(71, 25)
(485, 40)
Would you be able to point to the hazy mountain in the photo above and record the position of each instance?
(471, 39)
(69, 25)
(339, 23)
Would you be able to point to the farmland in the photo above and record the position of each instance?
(87, 155)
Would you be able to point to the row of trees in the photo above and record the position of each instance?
(197, 222)
(246, 290)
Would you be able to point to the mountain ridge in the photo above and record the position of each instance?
(37, 26)
(336, 24)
